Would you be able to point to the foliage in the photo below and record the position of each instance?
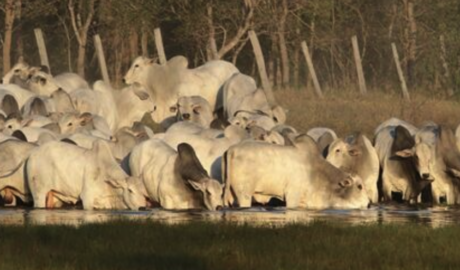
(327, 26)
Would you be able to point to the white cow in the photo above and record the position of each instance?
(13, 155)
(208, 150)
(59, 172)
(166, 83)
(406, 162)
(175, 180)
(194, 109)
(42, 83)
(355, 154)
(297, 174)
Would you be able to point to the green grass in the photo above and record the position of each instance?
(149, 245)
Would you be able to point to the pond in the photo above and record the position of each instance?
(434, 216)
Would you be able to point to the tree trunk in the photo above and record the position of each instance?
(284, 59)
(411, 38)
(81, 59)
(145, 42)
(9, 20)
(19, 43)
(134, 43)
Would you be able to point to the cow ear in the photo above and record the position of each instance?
(20, 135)
(140, 93)
(455, 173)
(196, 185)
(9, 104)
(347, 182)
(116, 184)
(405, 153)
(354, 151)
(197, 109)
(38, 107)
(85, 118)
(187, 164)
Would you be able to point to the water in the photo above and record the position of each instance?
(437, 216)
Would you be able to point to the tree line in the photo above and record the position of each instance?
(427, 35)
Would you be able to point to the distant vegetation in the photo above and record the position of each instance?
(147, 245)
(426, 33)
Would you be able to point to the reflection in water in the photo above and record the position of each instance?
(433, 216)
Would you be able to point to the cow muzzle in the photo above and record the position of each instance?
(427, 177)
(219, 207)
(186, 116)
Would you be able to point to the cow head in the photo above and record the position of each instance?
(42, 83)
(341, 153)
(134, 193)
(194, 109)
(190, 170)
(138, 70)
(349, 193)
(20, 70)
(72, 122)
(420, 153)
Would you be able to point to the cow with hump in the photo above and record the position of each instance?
(61, 173)
(174, 179)
(297, 174)
(406, 161)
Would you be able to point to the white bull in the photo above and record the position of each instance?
(166, 83)
(297, 174)
(59, 172)
(175, 180)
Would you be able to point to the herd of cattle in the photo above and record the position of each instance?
(217, 142)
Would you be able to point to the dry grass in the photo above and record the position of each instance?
(347, 111)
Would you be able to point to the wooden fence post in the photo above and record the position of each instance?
(311, 69)
(400, 73)
(359, 66)
(159, 45)
(261, 66)
(42, 48)
(101, 58)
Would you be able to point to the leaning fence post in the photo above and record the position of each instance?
(400, 73)
(42, 48)
(311, 69)
(359, 66)
(261, 66)
(101, 58)
(159, 45)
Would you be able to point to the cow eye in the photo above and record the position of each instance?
(10, 126)
(155, 108)
(360, 187)
(173, 109)
(196, 111)
(136, 66)
(337, 151)
(16, 70)
(69, 124)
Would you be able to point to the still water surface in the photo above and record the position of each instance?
(437, 216)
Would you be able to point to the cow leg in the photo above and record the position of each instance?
(40, 200)
(436, 195)
(50, 200)
(292, 199)
(386, 188)
(450, 196)
(244, 200)
(8, 197)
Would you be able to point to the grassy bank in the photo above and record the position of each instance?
(147, 245)
(346, 111)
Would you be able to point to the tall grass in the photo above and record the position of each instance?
(346, 111)
(147, 245)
